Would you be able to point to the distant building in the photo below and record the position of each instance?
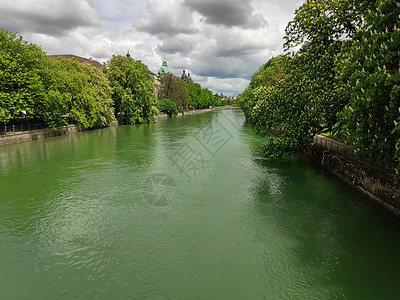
(226, 98)
(164, 69)
(80, 59)
(185, 77)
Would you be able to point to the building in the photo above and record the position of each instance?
(226, 98)
(164, 69)
(185, 77)
(80, 59)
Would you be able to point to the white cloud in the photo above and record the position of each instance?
(221, 43)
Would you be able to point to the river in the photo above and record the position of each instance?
(186, 208)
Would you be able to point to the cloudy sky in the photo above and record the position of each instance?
(220, 42)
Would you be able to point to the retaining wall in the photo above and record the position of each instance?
(378, 185)
(23, 136)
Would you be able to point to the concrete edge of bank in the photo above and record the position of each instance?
(23, 136)
(376, 185)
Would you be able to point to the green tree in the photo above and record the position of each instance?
(306, 101)
(132, 89)
(194, 91)
(20, 84)
(267, 76)
(77, 91)
(167, 106)
(175, 89)
(368, 78)
(217, 100)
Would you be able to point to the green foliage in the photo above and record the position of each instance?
(343, 79)
(174, 88)
(77, 91)
(267, 76)
(50, 90)
(184, 94)
(167, 106)
(201, 98)
(368, 78)
(132, 89)
(194, 91)
(20, 84)
(306, 101)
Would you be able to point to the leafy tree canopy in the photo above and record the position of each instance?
(167, 106)
(343, 79)
(20, 84)
(132, 89)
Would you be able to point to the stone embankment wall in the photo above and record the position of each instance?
(374, 182)
(16, 137)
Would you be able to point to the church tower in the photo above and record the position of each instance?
(164, 69)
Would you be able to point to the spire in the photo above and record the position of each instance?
(185, 77)
(164, 68)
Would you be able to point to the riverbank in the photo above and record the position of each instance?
(373, 181)
(23, 136)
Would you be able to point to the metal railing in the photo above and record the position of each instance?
(21, 127)
(337, 146)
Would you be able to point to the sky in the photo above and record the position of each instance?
(221, 43)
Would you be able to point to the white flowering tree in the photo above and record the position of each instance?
(343, 79)
(306, 101)
(368, 75)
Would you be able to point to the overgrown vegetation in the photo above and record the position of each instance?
(343, 79)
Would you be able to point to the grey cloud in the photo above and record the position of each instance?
(166, 21)
(228, 13)
(183, 44)
(48, 17)
(223, 67)
(162, 26)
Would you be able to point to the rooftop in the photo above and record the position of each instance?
(80, 59)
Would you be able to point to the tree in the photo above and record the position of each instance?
(79, 91)
(175, 89)
(20, 84)
(368, 78)
(267, 76)
(132, 89)
(194, 91)
(306, 101)
(344, 79)
(167, 106)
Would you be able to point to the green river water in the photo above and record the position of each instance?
(186, 208)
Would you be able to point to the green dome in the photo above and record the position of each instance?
(164, 68)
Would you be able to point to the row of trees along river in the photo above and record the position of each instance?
(342, 79)
(37, 88)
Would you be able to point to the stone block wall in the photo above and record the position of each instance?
(23, 136)
(378, 185)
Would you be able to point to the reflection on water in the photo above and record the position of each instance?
(75, 222)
